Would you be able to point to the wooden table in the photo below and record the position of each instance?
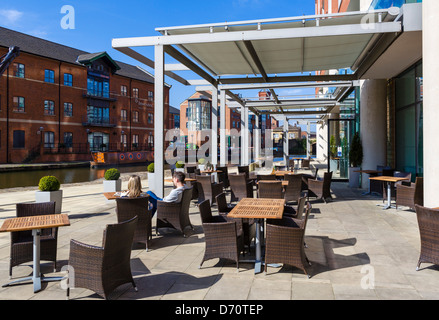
(284, 182)
(35, 224)
(370, 173)
(389, 180)
(258, 209)
(282, 173)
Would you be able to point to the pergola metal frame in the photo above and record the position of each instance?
(384, 26)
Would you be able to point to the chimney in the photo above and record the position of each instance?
(264, 95)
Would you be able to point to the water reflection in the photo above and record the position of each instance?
(71, 175)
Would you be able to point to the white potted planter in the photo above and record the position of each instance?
(354, 177)
(355, 159)
(112, 182)
(151, 177)
(49, 192)
(179, 167)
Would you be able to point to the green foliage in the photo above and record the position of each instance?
(332, 147)
(112, 174)
(179, 164)
(356, 152)
(49, 183)
(201, 161)
(151, 168)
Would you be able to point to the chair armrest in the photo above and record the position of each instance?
(221, 233)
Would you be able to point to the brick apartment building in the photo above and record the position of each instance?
(59, 103)
(195, 115)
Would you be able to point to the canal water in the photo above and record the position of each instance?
(66, 175)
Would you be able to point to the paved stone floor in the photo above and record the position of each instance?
(357, 250)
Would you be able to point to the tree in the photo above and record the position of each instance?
(356, 152)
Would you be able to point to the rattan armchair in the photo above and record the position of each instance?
(223, 238)
(297, 213)
(428, 222)
(285, 242)
(321, 189)
(411, 194)
(22, 241)
(294, 189)
(241, 188)
(223, 207)
(103, 269)
(270, 189)
(223, 176)
(306, 177)
(306, 163)
(398, 174)
(128, 208)
(175, 215)
(208, 190)
(264, 177)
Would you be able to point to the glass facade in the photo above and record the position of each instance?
(384, 4)
(199, 115)
(409, 121)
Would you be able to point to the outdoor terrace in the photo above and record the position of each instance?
(347, 239)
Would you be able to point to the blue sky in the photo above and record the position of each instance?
(97, 22)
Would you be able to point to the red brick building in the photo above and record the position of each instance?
(59, 103)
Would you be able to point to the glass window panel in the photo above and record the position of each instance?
(405, 87)
(406, 140)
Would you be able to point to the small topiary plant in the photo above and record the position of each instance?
(179, 164)
(151, 168)
(49, 183)
(201, 161)
(112, 174)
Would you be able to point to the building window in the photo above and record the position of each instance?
(150, 118)
(135, 140)
(98, 86)
(19, 70)
(150, 96)
(49, 139)
(136, 116)
(151, 141)
(68, 109)
(123, 90)
(98, 115)
(49, 76)
(68, 79)
(135, 93)
(18, 139)
(124, 140)
(18, 104)
(49, 108)
(68, 139)
(123, 115)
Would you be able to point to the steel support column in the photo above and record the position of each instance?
(157, 185)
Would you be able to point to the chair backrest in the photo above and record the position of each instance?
(294, 188)
(316, 173)
(305, 163)
(402, 174)
(428, 223)
(266, 177)
(238, 184)
(223, 176)
(300, 207)
(270, 189)
(205, 211)
(244, 169)
(221, 202)
(128, 208)
(186, 200)
(34, 209)
(204, 187)
(307, 212)
(419, 191)
(117, 242)
(327, 178)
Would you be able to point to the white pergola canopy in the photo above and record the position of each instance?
(271, 54)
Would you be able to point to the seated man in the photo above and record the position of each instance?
(176, 194)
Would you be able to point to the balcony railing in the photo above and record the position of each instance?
(62, 148)
(94, 121)
(107, 96)
(121, 147)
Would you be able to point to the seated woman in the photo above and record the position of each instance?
(134, 188)
(176, 194)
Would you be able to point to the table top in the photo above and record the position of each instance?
(282, 173)
(284, 182)
(185, 180)
(211, 171)
(258, 208)
(35, 222)
(388, 178)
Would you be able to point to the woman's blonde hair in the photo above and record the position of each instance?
(134, 186)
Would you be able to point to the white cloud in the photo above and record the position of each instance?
(10, 17)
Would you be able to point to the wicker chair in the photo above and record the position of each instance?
(428, 222)
(398, 174)
(248, 225)
(294, 189)
(321, 189)
(264, 177)
(306, 163)
(175, 215)
(223, 238)
(288, 231)
(411, 194)
(241, 188)
(190, 171)
(289, 211)
(103, 269)
(246, 170)
(306, 177)
(22, 241)
(128, 208)
(223, 176)
(208, 190)
(270, 189)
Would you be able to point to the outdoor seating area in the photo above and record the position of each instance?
(257, 233)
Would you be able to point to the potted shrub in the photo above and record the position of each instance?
(49, 191)
(355, 161)
(150, 170)
(201, 164)
(112, 182)
(179, 166)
